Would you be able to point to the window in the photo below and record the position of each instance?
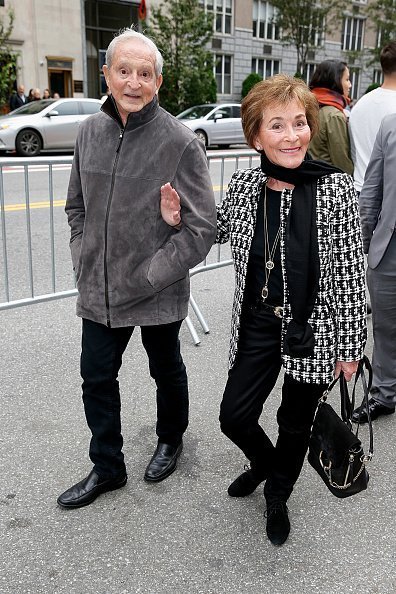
(264, 25)
(89, 106)
(222, 14)
(265, 68)
(67, 108)
(226, 112)
(352, 35)
(308, 72)
(355, 82)
(223, 73)
(378, 77)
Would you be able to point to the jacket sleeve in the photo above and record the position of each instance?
(338, 143)
(223, 214)
(189, 246)
(348, 273)
(75, 209)
(370, 199)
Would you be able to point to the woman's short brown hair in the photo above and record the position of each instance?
(280, 89)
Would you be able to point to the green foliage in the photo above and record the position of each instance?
(181, 30)
(382, 14)
(249, 82)
(8, 60)
(303, 22)
(372, 87)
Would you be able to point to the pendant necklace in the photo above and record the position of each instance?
(269, 254)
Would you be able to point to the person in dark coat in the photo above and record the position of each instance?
(18, 99)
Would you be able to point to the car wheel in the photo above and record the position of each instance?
(28, 143)
(202, 136)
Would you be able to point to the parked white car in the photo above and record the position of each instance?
(44, 125)
(215, 123)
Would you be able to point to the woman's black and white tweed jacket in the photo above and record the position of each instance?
(339, 316)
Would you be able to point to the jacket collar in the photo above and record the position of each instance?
(135, 119)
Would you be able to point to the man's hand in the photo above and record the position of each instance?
(170, 205)
(349, 368)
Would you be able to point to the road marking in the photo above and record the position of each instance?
(61, 203)
(33, 205)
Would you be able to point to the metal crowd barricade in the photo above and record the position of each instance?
(32, 273)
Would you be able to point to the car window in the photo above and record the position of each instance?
(226, 111)
(236, 111)
(193, 113)
(67, 108)
(31, 108)
(89, 106)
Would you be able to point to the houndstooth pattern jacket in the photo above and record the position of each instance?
(339, 316)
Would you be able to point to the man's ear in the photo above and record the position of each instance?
(159, 82)
(105, 71)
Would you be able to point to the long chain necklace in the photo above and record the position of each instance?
(269, 254)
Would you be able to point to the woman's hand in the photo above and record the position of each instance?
(349, 368)
(170, 205)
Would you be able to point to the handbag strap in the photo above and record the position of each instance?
(364, 363)
(348, 405)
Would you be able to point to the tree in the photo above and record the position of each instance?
(8, 60)
(304, 22)
(382, 14)
(249, 82)
(181, 30)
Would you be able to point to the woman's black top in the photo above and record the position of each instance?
(255, 279)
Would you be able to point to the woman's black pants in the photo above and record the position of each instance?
(250, 381)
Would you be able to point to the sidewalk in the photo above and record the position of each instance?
(183, 535)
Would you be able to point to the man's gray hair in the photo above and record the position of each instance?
(129, 33)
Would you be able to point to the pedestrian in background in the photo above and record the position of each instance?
(132, 269)
(377, 202)
(18, 99)
(367, 114)
(330, 84)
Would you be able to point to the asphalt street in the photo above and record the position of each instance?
(183, 535)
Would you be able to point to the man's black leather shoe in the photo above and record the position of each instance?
(163, 462)
(376, 410)
(245, 484)
(87, 490)
(278, 525)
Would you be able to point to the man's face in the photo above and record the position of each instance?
(131, 77)
(21, 90)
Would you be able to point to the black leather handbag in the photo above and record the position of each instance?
(335, 450)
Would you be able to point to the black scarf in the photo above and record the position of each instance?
(302, 251)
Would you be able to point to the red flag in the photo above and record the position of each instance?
(142, 12)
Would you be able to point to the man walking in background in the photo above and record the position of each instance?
(367, 114)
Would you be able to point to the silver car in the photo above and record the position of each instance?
(215, 123)
(44, 125)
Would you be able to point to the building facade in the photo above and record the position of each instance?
(61, 43)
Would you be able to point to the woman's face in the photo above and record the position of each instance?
(345, 82)
(284, 134)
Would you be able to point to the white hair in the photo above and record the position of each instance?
(129, 33)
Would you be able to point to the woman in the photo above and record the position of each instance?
(46, 94)
(299, 300)
(330, 84)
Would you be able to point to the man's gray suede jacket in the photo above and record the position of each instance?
(131, 267)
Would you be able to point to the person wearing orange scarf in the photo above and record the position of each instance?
(330, 84)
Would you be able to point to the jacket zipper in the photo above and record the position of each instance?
(106, 278)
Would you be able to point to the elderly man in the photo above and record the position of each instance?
(18, 99)
(132, 269)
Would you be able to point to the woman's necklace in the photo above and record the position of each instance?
(269, 254)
